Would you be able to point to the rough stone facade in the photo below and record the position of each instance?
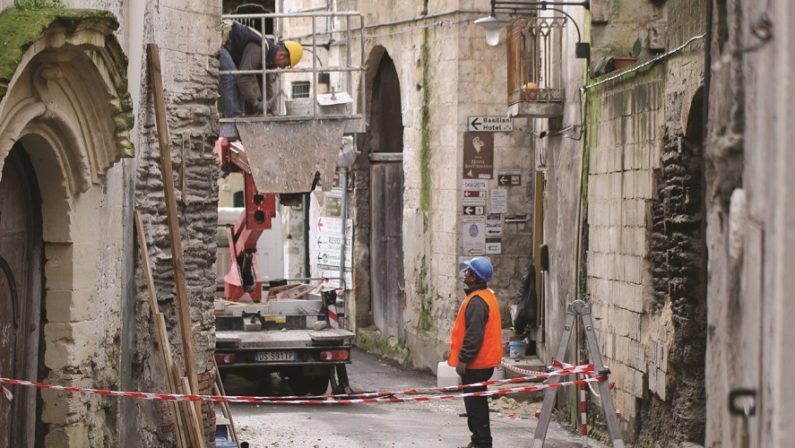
(749, 219)
(187, 33)
(97, 330)
(642, 242)
(47, 106)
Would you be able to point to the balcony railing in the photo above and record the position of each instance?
(534, 75)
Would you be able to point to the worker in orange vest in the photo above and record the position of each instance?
(476, 345)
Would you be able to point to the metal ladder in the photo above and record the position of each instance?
(580, 309)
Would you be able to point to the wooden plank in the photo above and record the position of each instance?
(220, 390)
(183, 308)
(195, 417)
(278, 289)
(378, 250)
(183, 419)
(296, 292)
(196, 432)
(227, 412)
(160, 330)
(394, 287)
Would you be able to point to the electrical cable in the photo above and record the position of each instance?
(647, 63)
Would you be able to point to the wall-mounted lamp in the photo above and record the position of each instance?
(493, 25)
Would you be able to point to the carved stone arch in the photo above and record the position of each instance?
(377, 58)
(69, 77)
(63, 93)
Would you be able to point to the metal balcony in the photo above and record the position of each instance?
(534, 67)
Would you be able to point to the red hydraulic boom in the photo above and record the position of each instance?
(260, 208)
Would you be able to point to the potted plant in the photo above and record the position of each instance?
(621, 62)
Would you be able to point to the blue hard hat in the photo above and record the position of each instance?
(480, 266)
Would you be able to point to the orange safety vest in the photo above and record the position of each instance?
(490, 354)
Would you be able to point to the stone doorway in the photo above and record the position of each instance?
(387, 284)
(20, 295)
(65, 117)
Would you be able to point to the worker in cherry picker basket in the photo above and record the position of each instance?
(242, 50)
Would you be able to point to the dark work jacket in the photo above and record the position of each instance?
(239, 38)
(475, 317)
(245, 47)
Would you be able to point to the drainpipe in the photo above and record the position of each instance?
(306, 203)
(343, 176)
(707, 66)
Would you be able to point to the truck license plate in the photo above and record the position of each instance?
(274, 356)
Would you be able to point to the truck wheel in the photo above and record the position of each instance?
(318, 385)
(314, 385)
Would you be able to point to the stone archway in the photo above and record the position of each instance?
(64, 103)
(385, 149)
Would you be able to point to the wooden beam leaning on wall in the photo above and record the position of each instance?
(182, 422)
(183, 306)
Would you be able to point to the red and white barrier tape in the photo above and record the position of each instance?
(520, 371)
(562, 366)
(569, 370)
(271, 400)
(584, 369)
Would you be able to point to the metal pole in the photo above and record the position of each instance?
(306, 203)
(343, 176)
(362, 74)
(584, 310)
(264, 69)
(314, 70)
(348, 75)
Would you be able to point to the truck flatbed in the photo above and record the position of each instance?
(280, 339)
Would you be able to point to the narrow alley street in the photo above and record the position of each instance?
(430, 424)
(267, 198)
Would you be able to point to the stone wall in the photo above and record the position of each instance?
(98, 329)
(624, 126)
(187, 33)
(81, 113)
(646, 248)
(645, 258)
(749, 213)
(733, 324)
(769, 81)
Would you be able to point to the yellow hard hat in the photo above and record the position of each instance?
(295, 50)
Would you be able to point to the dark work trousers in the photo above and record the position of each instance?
(478, 407)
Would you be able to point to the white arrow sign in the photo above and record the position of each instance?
(488, 123)
(474, 210)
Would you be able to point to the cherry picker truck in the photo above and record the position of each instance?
(289, 335)
(265, 327)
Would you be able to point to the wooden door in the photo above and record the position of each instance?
(20, 295)
(386, 247)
